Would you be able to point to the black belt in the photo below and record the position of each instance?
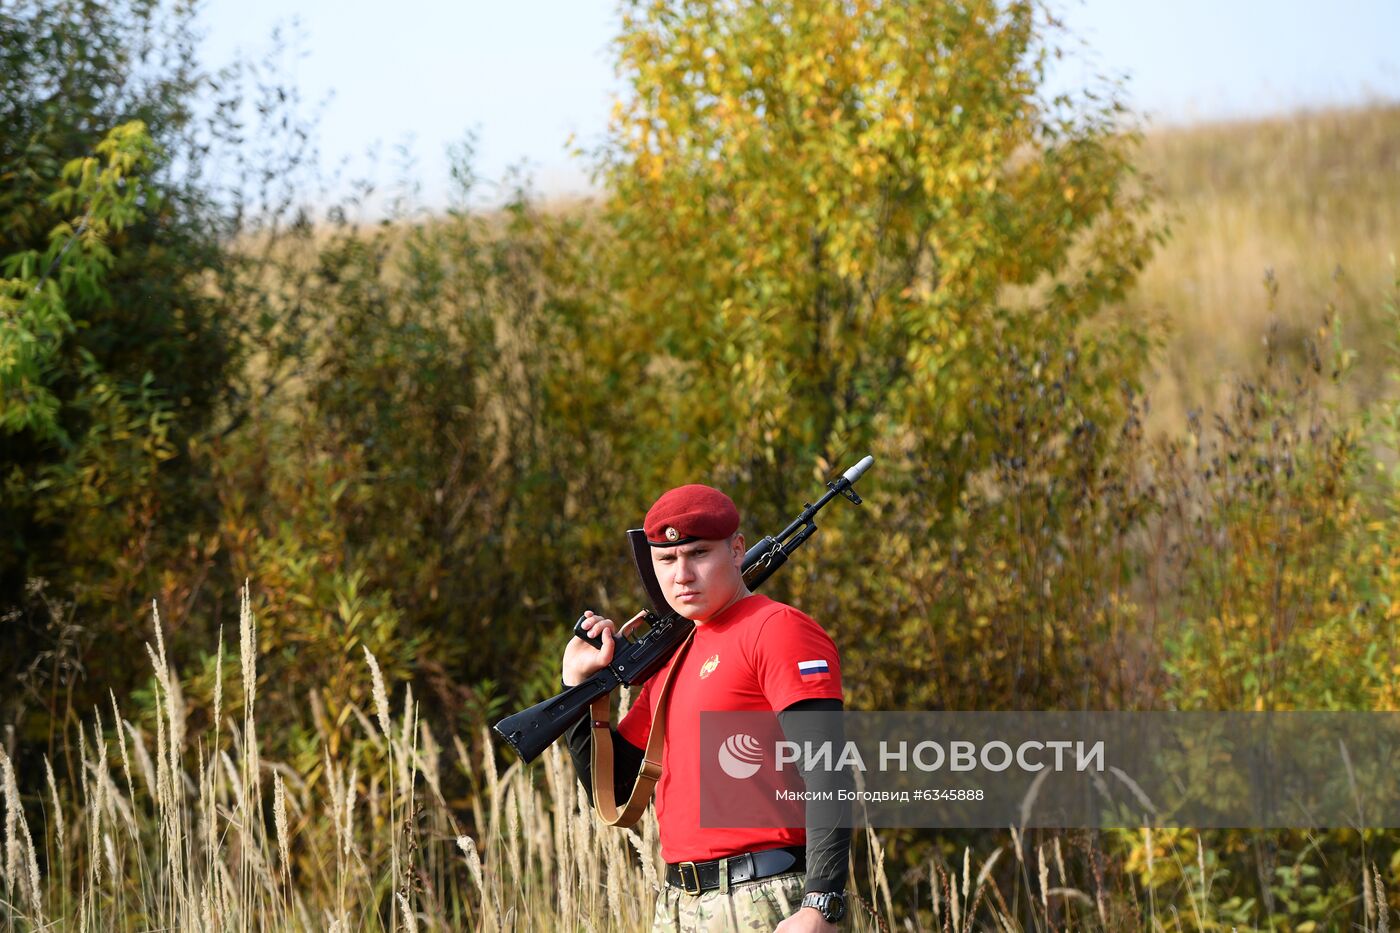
(699, 877)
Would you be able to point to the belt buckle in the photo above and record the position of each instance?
(685, 884)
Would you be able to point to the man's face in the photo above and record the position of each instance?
(701, 578)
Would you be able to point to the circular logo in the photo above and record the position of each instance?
(740, 756)
(672, 534)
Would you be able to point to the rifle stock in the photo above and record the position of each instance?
(533, 730)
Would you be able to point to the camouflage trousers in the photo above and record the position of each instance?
(753, 905)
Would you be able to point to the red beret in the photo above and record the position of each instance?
(690, 513)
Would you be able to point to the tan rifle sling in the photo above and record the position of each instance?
(604, 795)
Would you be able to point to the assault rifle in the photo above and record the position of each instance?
(651, 636)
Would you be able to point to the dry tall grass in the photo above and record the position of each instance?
(181, 830)
(168, 828)
(1272, 221)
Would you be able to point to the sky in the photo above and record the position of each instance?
(521, 77)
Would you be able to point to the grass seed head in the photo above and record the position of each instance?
(59, 832)
(468, 847)
(279, 819)
(10, 793)
(381, 696)
(247, 648)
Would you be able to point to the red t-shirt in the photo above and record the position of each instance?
(750, 657)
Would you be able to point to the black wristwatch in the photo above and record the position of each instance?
(830, 904)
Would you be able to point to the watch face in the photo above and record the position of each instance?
(831, 905)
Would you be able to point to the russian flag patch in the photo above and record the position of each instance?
(813, 671)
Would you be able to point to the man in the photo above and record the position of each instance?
(748, 653)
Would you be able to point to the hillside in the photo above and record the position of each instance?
(1315, 198)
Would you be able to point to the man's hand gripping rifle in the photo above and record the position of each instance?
(653, 635)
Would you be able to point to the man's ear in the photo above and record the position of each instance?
(736, 544)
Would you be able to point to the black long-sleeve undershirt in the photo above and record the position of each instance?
(828, 842)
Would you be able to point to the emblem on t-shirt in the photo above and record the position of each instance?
(814, 670)
(708, 667)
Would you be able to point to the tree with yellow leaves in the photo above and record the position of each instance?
(848, 226)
